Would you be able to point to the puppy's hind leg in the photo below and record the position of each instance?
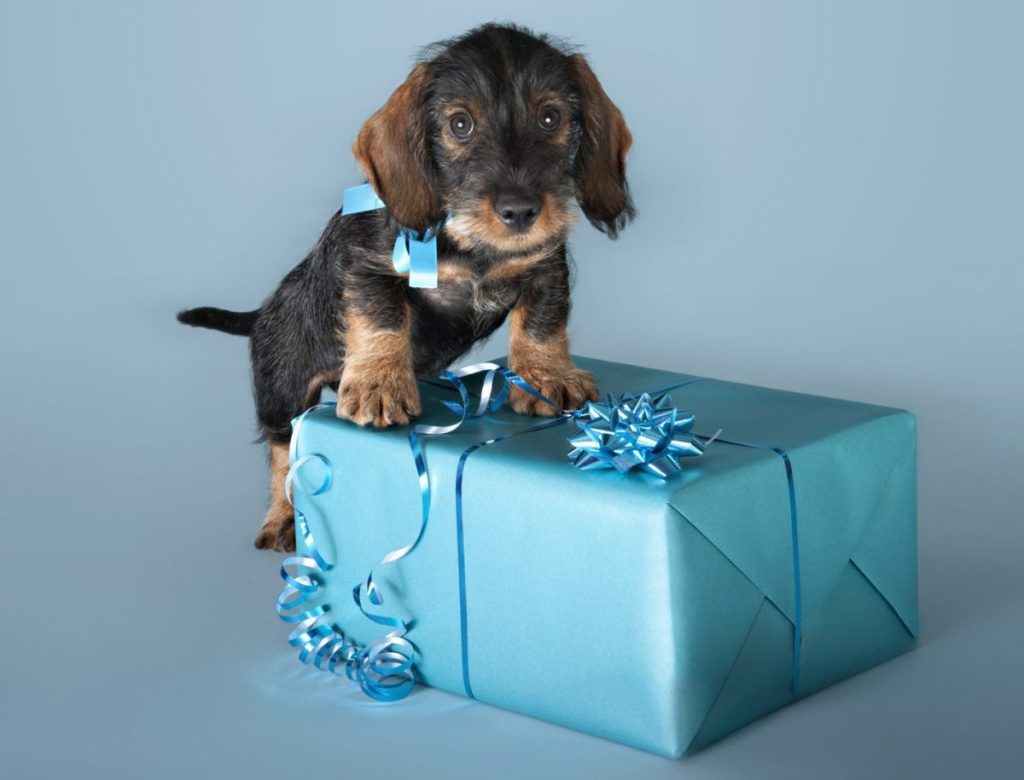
(278, 531)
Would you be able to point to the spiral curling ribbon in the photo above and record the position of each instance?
(383, 668)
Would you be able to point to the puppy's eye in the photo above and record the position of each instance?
(549, 118)
(461, 124)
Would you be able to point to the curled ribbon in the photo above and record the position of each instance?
(383, 668)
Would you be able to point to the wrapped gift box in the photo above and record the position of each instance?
(663, 614)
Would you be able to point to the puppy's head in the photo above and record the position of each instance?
(503, 130)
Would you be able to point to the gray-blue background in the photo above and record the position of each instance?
(830, 201)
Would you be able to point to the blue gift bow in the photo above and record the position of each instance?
(632, 431)
(384, 669)
(414, 252)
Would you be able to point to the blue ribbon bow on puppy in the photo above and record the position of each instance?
(414, 253)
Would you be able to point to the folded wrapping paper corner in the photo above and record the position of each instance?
(666, 607)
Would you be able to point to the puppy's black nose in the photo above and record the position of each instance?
(518, 211)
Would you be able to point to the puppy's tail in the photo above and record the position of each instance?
(238, 323)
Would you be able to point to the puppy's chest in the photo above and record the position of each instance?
(465, 290)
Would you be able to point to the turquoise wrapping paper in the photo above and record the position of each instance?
(654, 613)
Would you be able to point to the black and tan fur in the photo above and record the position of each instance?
(544, 137)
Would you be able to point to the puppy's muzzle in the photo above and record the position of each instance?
(517, 210)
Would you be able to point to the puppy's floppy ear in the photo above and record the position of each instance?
(600, 166)
(394, 151)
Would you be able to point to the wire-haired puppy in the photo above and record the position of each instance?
(498, 131)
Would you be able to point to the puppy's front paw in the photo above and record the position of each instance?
(569, 388)
(379, 399)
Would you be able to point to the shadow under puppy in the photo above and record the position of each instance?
(500, 131)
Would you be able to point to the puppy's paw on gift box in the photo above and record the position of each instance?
(570, 388)
(378, 398)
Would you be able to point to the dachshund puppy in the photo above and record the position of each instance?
(498, 132)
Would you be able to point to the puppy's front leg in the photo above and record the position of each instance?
(378, 384)
(539, 349)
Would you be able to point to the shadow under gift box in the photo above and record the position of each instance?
(657, 613)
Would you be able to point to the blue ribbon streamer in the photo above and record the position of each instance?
(414, 253)
(360, 198)
(384, 668)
